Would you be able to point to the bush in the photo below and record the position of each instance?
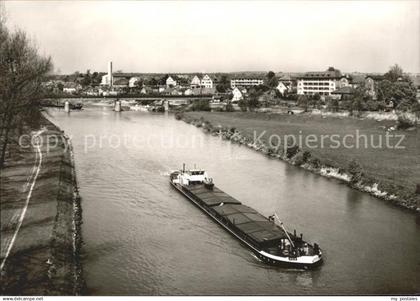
(415, 108)
(218, 110)
(306, 156)
(291, 151)
(298, 159)
(243, 104)
(372, 105)
(333, 105)
(315, 162)
(201, 105)
(405, 122)
(303, 102)
(302, 157)
(229, 107)
(271, 150)
(208, 126)
(356, 171)
(405, 105)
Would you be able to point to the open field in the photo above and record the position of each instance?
(396, 170)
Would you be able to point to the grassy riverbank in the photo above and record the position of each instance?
(395, 171)
(44, 255)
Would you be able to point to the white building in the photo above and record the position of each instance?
(322, 83)
(245, 82)
(107, 79)
(170, 82)
(143, 91)
(195, 82)
(71, 87)
(237, 95)
(110, 93)
(281, 87)
(344, 82)
(188, 92)
(133, 82)
(206, 82)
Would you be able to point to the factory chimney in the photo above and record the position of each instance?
(111, 80)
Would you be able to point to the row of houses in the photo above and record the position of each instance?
(129, 80)
(325, 83)
(176, 90)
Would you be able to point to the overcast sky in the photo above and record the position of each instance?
(159, 36)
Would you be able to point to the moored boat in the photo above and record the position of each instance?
(266, 237)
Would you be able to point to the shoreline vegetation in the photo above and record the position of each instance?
(388, 174)
(40, 204)
(45, 259)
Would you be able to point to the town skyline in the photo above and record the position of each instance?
(187, 40)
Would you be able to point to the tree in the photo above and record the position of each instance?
(261, 89)
(96, 79)
(229, 107)
(316, 97)
(358, 102)
(303, 102)
(314, 100)
(162, 80)
(60, 87)
(223, 84)
(395, 72)
(356, 171)
(271, 80)
(22, 70)
(333, 105)
(138, 84)
(87, 80)
(153, 82)
(252, 101)
(415, 108)
(243, 104)
(399, 92)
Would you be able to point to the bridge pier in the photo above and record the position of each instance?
(117, 107)
(67, 107)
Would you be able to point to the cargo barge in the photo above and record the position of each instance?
(266, 237)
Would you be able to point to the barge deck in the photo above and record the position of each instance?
(270, 242)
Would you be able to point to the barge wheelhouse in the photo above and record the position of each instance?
(266, 237)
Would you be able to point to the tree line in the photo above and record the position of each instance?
(22, 70)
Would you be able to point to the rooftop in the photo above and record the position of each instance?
(344, 90)
(124, 74)
(333, 74)
(247, 77)
(121, 81)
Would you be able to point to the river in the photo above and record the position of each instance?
(143, 238)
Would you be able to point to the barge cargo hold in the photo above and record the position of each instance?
(265, 237)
